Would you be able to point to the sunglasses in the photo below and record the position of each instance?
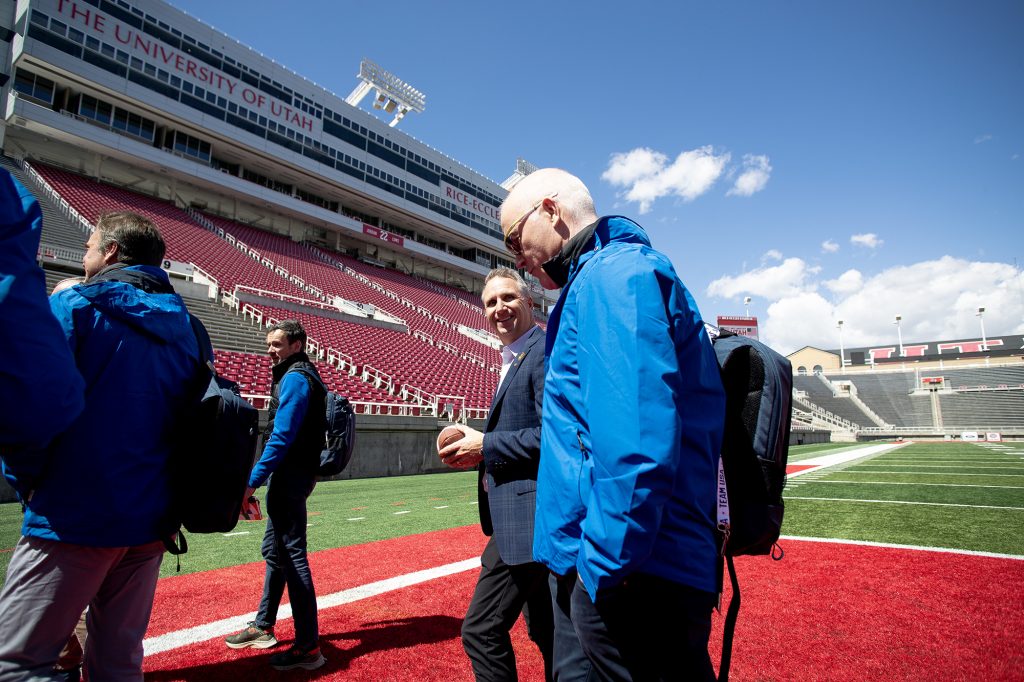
(512, 237)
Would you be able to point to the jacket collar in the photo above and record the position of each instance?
(593, 237)
(150, 279)
(278, 370)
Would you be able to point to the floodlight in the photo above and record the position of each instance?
(392, 92)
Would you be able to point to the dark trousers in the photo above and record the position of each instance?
(284, 548)
(570, 663)
(501, 593)
(646, 629)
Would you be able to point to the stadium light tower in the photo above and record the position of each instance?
(842, 353)
(899, 332)
(393, 94)
(746, 305)
(981, 319)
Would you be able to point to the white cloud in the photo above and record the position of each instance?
(756, 171)
(647, 175)
(847, 283)
(868, 240)
(789, 278)
(771, 254)
(829, 246)
(937, 299)
(982, 138)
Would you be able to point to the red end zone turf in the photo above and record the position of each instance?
(826, 611)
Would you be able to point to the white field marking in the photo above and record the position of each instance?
(241, 532)
(948, 485)
(443, 506)
(869, 543)
(225, 626)
(936, 466)
(357, 518)
(924, 504)
(406, 511)
(930, 473)
(1002, 460)
(817, 463)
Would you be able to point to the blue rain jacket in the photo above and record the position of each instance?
(633, 419)
(41, 391)
(105, 481)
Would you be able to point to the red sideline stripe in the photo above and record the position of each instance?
(827, 611)
(793, 468)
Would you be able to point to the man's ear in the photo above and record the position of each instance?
(112, 254)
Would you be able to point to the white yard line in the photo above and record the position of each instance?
(930, 473)
(1011, 467)
(869, 543)
(226, 626)
(925, 504)
(947, 485)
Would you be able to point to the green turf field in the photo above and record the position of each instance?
(954, 495)
(959, 496)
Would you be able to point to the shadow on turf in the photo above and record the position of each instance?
(373, 637)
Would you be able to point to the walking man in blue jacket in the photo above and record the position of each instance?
(632, 425)
(295, 436)
(98, 497)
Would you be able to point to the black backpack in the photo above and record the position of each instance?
(213, 459)
(758, 386)
(340, 436)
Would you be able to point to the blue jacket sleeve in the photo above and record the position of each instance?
(41, 390)
(628, 371)
(294, 395)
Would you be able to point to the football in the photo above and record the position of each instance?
(448, 435)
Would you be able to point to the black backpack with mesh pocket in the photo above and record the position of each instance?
(758, 386)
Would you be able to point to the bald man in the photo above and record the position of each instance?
(631, 431)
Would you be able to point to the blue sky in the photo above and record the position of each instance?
(831, 160)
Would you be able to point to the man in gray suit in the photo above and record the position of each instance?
(507, 455)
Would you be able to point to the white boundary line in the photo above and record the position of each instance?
(869, 543)
(819, 463)
(226, 626)
(944, 485)
(907, 502)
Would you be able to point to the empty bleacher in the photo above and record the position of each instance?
(433, 362)
(404, 358)
(983, 409)
(888, 395)
(821, 395)
(186, 240)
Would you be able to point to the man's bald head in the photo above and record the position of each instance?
(573, 198)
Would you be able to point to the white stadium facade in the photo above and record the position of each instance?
(144, 95)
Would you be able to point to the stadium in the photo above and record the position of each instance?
(279, 199)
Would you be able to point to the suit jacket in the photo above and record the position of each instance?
(511, 452)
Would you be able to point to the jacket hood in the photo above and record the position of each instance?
(141, 297)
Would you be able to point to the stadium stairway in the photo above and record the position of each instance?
(57, 230)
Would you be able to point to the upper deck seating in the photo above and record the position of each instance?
(186, 241)
(406, 359)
